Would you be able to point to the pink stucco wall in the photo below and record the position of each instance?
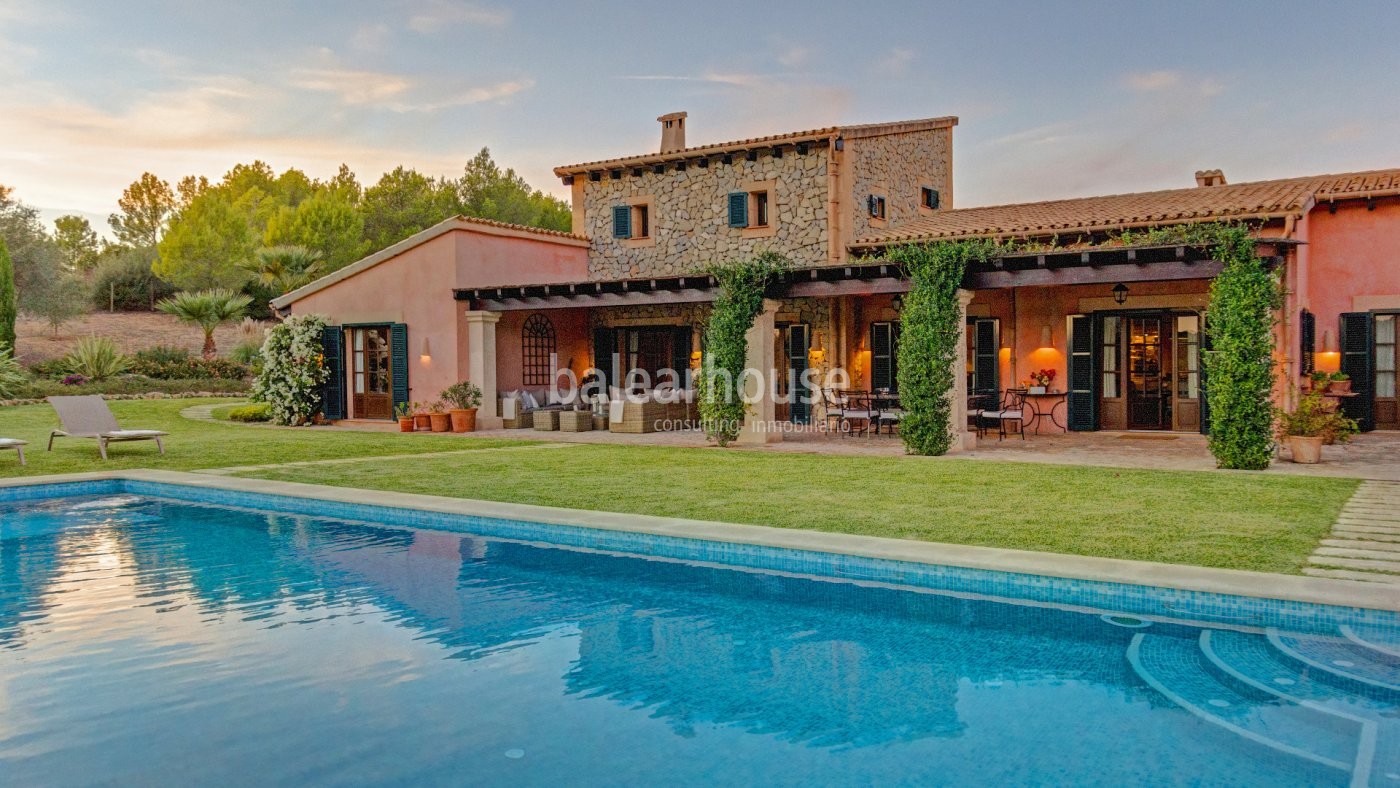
(416, 287)
(1351, 263)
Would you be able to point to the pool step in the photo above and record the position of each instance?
(1343, 657)
(1178, 669)
(1374, 639)
(1250, 659)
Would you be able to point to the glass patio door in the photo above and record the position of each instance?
(1149, 378)
(371, 384)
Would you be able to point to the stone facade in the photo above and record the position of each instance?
(897, 167)
(689, 215)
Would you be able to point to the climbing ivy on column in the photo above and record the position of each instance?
(930, 326)
(740, 299)
(1240, 364)
(9, 310)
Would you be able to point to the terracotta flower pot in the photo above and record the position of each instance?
(440, 422)
(406, 424)
(463, 420)
(1339, 387)
(421, 422)
(1306, 449)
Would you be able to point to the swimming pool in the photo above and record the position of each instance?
(158, 634)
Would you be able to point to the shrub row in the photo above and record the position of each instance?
(134, 386)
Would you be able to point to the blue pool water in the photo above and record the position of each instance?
(146, 639)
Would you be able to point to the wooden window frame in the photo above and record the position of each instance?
(769, 191)
(643, 203)
(924, 209)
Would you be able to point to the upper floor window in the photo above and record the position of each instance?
(928, 197)
(632, 221)
(876, 206)
(749, 208)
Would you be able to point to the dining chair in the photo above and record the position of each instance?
(1013, 409)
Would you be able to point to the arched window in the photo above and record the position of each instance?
(538, 340)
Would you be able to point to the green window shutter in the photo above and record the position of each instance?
(398, 362)
(622, 221)
(1307, 341)
(738, 209)
(333, 392)
(604, 348)
(680, 353)
(986, 368)
(1358, 345)
(799, 342)
(882, 373)
(1083, 394)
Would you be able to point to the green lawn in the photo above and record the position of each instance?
(1244, 521)
(201, 444)
(1265, 523)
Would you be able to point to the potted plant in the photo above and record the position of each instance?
(438, 420)
(420, 416)
(1309, 425)
(1040, 381)
(464, 398)
(404, 413)
(1339, 383)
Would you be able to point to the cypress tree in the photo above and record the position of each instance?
(9, 309)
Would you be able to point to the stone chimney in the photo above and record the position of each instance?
(672, 132)
(1210, 178)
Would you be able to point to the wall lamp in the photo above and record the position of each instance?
(1120, 294)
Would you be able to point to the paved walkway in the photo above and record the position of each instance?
(1365, 542)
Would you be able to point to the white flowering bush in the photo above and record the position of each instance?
(294, 370)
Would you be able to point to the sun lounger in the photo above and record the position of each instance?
(89, 417)
(17, 445)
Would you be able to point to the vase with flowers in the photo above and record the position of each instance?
(1041, 380)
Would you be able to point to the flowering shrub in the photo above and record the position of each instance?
(293, 371)
(74, 380)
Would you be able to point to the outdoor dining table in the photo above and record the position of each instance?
(872, 401)
(1047, 404)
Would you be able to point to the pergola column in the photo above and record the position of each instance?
(481, 364)
(963, 439)
(760, 339)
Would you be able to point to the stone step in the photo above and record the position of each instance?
(1341, 532)
(1355, 563)
(1348, 574)
(1392, 548)
(1359, 552)
(1369, 524)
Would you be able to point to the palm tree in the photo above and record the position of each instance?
(206, 309)
(284, 268)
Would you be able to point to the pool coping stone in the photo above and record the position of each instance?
(1299, 588)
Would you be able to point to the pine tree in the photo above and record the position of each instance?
(9, 309)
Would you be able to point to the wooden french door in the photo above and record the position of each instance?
(371, 376)
(1387, 405)
(791, 348)
(1150, 376)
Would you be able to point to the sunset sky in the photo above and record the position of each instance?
(1055, 100)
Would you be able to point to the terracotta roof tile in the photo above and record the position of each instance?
(863, 130)
(1259, 199)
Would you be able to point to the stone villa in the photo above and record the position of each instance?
(1119, 324)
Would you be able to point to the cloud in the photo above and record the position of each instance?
(352, 87)
(896, 63)
(1148, 81)
(438, 14)
(370, 38)
(792, 55)
(1162, 81)
(500, 91)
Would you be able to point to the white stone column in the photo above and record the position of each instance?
(759, 423)
(481, 365)
(963, 439)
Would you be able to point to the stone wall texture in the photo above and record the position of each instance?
(897, 166)
(689, 215)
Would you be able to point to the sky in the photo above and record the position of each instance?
(1055, 99)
